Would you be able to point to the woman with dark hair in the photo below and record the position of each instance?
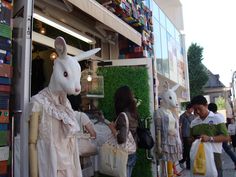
(125, 102)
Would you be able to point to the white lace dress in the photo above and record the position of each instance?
(57, 146)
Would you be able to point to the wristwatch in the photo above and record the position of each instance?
(211, 139)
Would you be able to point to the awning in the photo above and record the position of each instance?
(96, 10)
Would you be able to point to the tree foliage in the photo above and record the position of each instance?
(221, 103)
(197, 72)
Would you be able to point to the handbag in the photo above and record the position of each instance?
(231, 129)
(86, 147)
(114, 156)
(145, 139)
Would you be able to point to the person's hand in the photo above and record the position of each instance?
(159, 152)
(204, 138)
(112, 126)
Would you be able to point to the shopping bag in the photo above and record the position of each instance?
(199, 164)
(114, 157)
(231, 129)
(113, 160)
(209, 159)
(86, 147)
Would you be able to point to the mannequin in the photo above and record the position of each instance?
(53, 126)
(169, 147)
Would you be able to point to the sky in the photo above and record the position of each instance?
(212, 25)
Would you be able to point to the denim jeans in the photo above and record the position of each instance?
(131, 163)
(229, 152)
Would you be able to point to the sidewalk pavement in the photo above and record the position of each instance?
(228, 167)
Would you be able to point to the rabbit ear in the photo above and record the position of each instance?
(60, 46)
(86, 55)
(175, 87)
(166, 85)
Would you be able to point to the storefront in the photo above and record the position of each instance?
(87, 24)
(35, 26)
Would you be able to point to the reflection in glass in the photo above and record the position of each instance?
(165, 62)
(162, 19)
(157, 46)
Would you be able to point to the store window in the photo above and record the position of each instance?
(162, 18)
(170, 27)
(155, 11)
(165, 61)
(177, 37)
(172, 58)
(157, 46)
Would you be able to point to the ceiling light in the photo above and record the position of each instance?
(89, 78)
(42, 30)
(53, 56)
(61, 26)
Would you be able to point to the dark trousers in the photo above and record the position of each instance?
(218, 162)
(186, 151)
(229, 152)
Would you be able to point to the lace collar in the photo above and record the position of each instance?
(60, 111)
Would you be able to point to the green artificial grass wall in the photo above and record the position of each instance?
(137, 79)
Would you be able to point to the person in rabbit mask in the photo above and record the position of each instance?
(53, 126)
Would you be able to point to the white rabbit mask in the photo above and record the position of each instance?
(66, 70)
(169, 98)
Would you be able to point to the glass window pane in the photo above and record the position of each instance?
(162, 19)
(156, 11)
(177, 36)
(165, 61)
(157, 46)
(170, 27)
(172, 58)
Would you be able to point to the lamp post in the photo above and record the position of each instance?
(233, 85)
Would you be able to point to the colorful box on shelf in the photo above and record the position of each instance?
(5, 81)
(5, 89)
(5, 45)
(4, 119)
(6, 175)
(5, 70)
(4, 153)
(4, 100)
(3, 168)
(4, 138)
(3, 127)
(6, 13)
(5, 31)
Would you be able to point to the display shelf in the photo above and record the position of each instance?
(5, 86)
(137, 15)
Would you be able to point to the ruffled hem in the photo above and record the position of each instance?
(172, 153)
(171, 157)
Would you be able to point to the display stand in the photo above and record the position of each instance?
(6, 168)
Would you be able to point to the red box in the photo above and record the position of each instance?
(5, 88)
(5, 70)
(4, 116)
(3, 167)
